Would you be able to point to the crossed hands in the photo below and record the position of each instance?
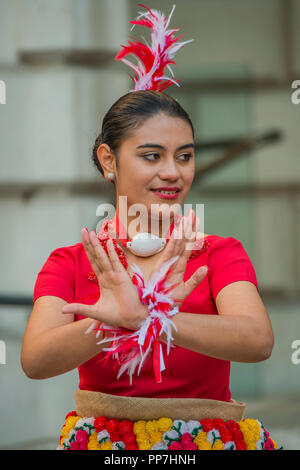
(119, 304)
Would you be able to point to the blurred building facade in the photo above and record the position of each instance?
(57, 62)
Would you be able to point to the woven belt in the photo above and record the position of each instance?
(90, 404)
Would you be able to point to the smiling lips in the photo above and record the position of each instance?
(167, 192)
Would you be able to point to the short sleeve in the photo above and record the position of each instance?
(229, 262)
(57, 276)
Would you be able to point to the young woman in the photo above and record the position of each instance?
(146, 148)
(147, 143)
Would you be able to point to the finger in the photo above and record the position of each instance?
(181, 234)
(189, 222)
(188, 232)
(195, 279)
(114, 258)
(188, 246)
(90, 252)
(81, 309)
(101, 256)
(185, 235)
(174, 245)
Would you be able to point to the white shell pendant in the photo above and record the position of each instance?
(146, 244)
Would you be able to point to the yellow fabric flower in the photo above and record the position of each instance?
(274, 443)
(218, 445)
(69, 424)
(204, 445)
(250, 429)
(165, 424)
(106, 445)
(93, 443)
(155, 437)
(139, 426)
(142, 436)
(145, 445)
(151, 426)
(201, 437)
(251, 446)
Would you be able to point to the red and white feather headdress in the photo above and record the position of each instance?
(153, 58)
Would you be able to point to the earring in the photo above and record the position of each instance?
(111, 176)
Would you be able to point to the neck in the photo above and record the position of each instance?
(129, 225)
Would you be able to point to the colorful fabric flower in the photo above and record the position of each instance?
(101, 433)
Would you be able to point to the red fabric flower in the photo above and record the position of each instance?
(129, 438)
(82, 436)
(238, 436)
(190, 446)
(74, 445)
(233, 426)
(219, 424)
(175, 445)
(112, 425)
(207, 424)
(115, 436)
(100, 423)
(240, 445)
(83, 445)
(131, 447)
(269, 445)
(72, 413)
(186, 438)
(226, 435)
(125, 426)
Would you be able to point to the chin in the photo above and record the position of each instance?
(162, 215)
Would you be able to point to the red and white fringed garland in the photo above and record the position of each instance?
(131, 348)
(152, 60)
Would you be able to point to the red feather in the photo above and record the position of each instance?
(152, 60)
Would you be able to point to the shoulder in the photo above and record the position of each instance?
(226, 250)
(219, 244)
(215, 245)
(67, 256)
(58, 274)
(228, 262)
(70, 250)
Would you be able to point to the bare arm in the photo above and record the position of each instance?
(241, 332)
(53, 343)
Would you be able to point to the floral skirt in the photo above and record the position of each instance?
(110, 422)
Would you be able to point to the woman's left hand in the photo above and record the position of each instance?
(180, 244)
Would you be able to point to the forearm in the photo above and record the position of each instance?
(60, 350)
(228, 337)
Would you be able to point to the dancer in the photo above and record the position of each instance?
(151, 321)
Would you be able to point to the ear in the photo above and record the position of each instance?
(106, 159)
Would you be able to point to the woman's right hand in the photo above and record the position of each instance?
(119, 303)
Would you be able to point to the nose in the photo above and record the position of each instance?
(169, 170)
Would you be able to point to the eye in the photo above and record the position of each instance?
(187, 155)
(149, 155)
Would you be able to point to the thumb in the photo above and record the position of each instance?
(81, 309)
(196, 278)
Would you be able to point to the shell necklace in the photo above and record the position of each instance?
(142, 244)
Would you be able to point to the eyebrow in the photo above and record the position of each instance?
(151, 145)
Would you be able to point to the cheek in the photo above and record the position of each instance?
(188, 176)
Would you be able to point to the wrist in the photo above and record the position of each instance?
(144, 313)
(174, 313)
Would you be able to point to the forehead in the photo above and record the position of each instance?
(162, 129)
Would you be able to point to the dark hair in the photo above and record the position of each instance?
(129, 112)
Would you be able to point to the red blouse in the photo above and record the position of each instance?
(66, 274)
